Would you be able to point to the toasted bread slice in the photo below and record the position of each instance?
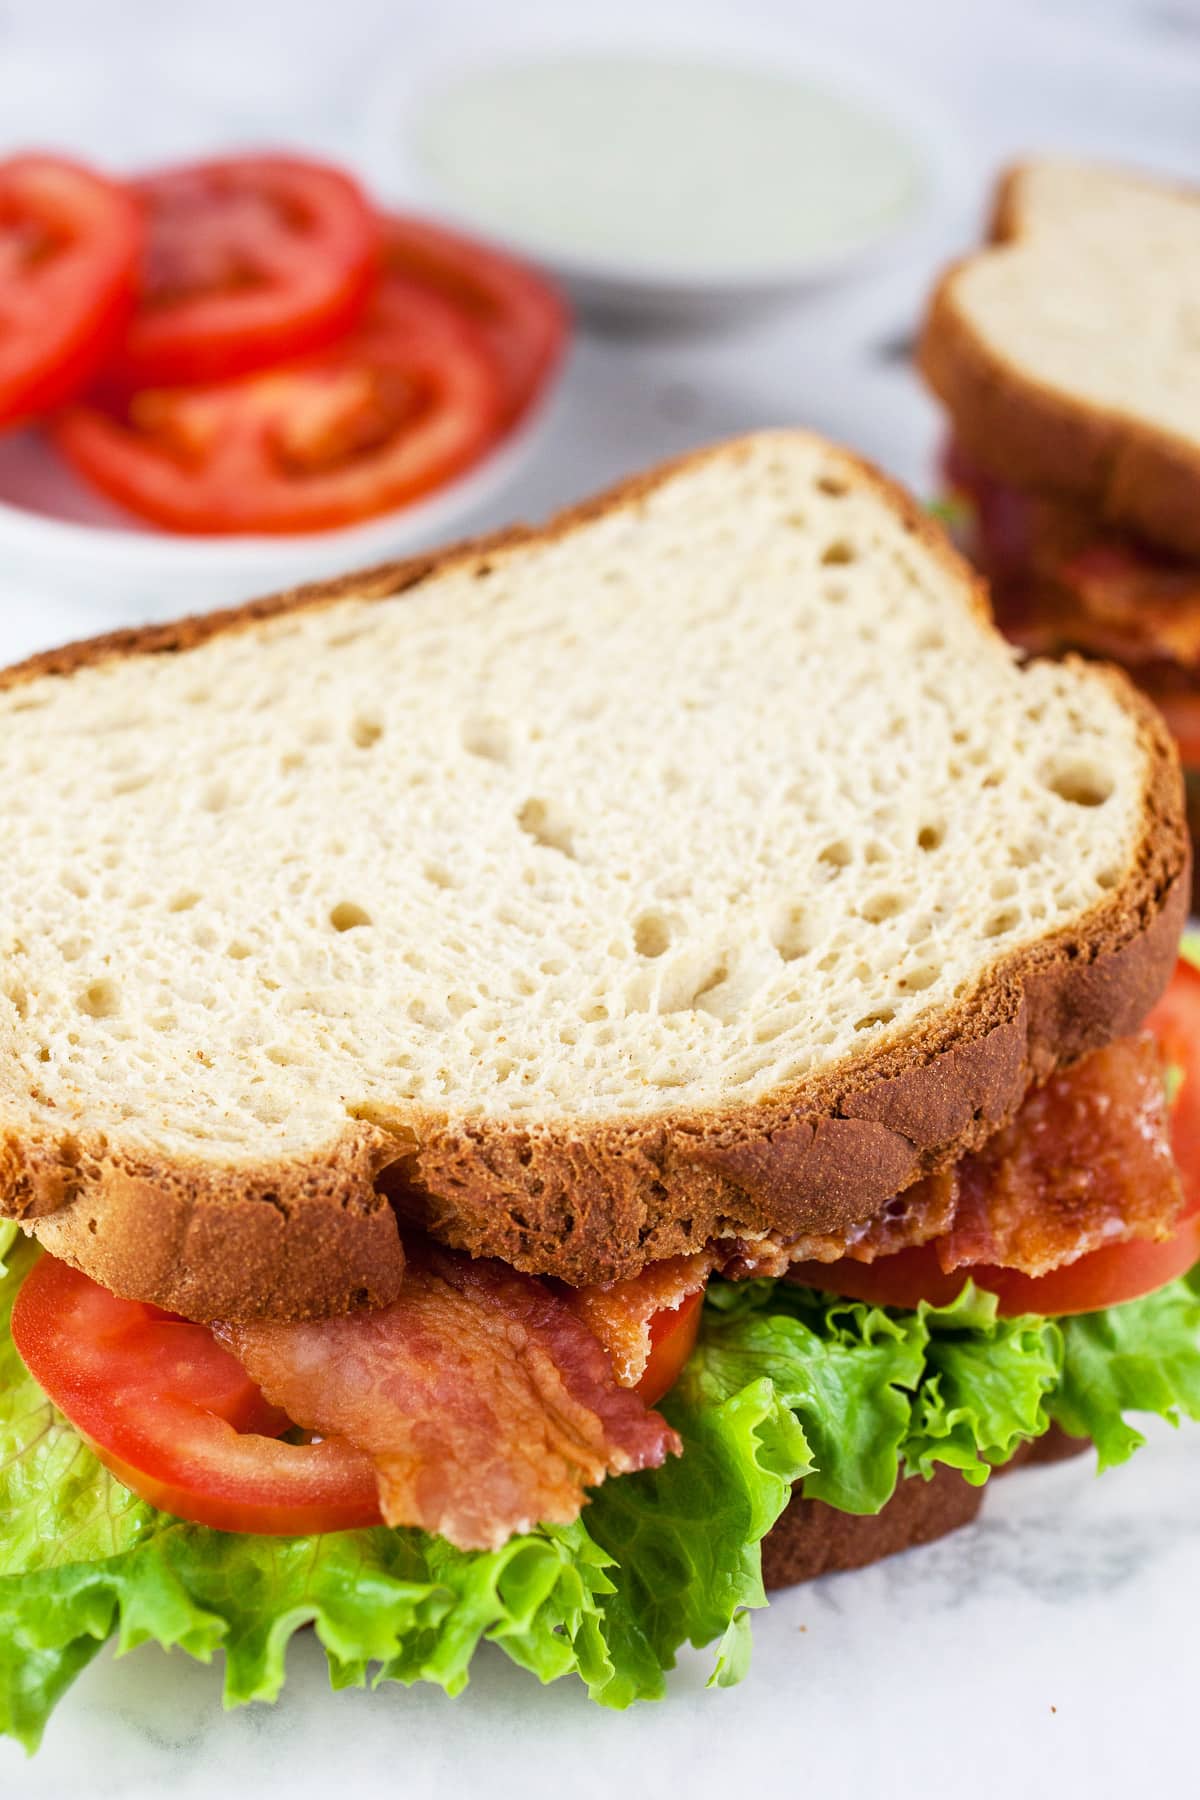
(812, 1539)
(1068, 353)
(701, 865)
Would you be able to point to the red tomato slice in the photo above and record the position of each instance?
(176, 1417)
(408, 399)
(522, 316)
(672, 1340)
(250, 261)
(69, 247)
(1105, 1277)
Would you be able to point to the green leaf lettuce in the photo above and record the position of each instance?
(786, 1386)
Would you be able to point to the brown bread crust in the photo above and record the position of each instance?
(596, 1202)
(1124, 471)
(813, 1539)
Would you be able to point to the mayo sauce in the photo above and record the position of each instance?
(674, 166)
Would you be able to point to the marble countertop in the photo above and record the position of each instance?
(1048, 1649)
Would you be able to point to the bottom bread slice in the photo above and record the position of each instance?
(813, 1539)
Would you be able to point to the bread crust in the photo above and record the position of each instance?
(585, 1201)
(1123, 470)
(812, 1539)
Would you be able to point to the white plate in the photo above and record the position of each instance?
(648, 285)
(58, 537)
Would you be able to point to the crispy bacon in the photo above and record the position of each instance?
(485, 1403)
(1087, 1161)
(619, 1313)
(1061, 581)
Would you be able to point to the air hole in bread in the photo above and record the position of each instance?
(547, 825)
(238, 951)
(1108, 878)
(832, 485)
(1002, 922)
(216, 797)
(366, 731)
(790, 934)
(1004, 887)
(131, 784)
(838, 552)
(488, 738)
(932, 835)
(347, 915)
(883, 1016)
(74, 884)
(1080, 783)
(834, 857)
(183, 902)
(651, 934)
(915, 980)
(878, 907)
(291, 761)
(438, 876)
(101, 999)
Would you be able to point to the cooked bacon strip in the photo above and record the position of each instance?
(485, 1404)
(1060, 580)
(619, 1313)
(1087, 1161)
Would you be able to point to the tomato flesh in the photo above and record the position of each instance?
(673, 1333)
(1105, 1277)
(69, 248)
(522, 316)
(250, 261)
(404, 402)
(175, 1416)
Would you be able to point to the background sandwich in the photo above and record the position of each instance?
(1067, 359)
(527, 1073)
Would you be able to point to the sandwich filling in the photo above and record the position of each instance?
(1061, 581)
(585, 1476)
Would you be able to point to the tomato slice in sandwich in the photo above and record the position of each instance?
(403, 403)
(69, 248)
(176, 1417)
(250, 261)
(673, 1336)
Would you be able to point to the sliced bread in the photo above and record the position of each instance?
(1068, 353)
(703, 864)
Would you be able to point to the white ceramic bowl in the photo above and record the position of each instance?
(648, 286)
(58, 538)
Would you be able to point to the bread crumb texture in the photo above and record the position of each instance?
(683, 805)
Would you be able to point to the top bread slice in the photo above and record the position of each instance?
(1068, 353)
(703, 865)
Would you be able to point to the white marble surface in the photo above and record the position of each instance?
(1051, 1649)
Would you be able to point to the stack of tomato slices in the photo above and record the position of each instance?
(175, 1416)
(247, 345)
